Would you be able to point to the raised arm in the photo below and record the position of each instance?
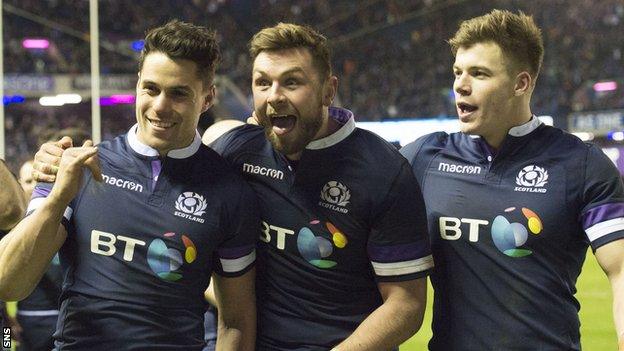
(28, 249)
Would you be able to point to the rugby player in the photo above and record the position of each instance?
(344, 252)
(513, 204)
(138, 248)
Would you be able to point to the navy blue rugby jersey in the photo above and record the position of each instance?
(509, 234)
(348, 216)
(142, 245)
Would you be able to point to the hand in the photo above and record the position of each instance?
(48, 158)
(70, 169)
(253, 119)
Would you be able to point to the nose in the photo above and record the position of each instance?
(276, 96)
(161, 103)
(461, 85)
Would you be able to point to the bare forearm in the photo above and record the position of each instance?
(12, 198)
(236, 301)
(28, 249)
(386, 328)
(235, 339)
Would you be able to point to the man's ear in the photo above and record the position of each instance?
(210, 98)
(524, 83)
(330, 88)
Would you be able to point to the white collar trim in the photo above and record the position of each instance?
(146, 150)
(342, 133)
(524, 129)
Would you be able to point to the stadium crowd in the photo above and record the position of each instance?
(391, 56)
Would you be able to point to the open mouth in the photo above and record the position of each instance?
(283, 124)
(465, 108)
(160, 124)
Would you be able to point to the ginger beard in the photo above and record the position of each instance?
(291, 133)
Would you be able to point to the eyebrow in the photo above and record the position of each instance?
(175, 87)
(290, 71)
(483, 68)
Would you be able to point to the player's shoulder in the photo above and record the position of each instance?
(244, 138)
(374, 148)
(561, 141)
(432, 141)
(114, 150)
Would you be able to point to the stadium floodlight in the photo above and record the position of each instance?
(60, 100)
(605, 86)
(70, 98)
(36, 43)
(50, 101)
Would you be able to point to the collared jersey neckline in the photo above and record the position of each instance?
(342, 116)
(149, 151)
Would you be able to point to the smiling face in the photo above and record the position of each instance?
(290, 99)
(489, 99)
(169, 99)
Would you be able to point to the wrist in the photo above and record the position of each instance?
(55, 203)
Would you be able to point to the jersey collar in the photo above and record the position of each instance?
(146, 150)
(342, 116)
(525, 129)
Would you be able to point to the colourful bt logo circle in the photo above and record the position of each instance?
(166, 262)
(509, 236)
(315, 249)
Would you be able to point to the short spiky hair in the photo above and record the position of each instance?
(289, 36)
(517, 35)
(181, 40)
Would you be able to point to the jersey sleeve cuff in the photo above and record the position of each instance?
(393, 269)
(235, 265)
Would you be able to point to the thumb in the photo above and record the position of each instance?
(87, 143)
(65, 143)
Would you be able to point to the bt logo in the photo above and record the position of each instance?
(164, 261)
(508, 235)
(312, 248)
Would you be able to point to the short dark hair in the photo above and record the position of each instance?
(181, 40)
(289, 36)
(517, 35)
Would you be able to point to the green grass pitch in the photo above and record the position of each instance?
(594, 294)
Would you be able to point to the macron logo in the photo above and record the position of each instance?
(122, 183)
(462, 169)
(267, 172)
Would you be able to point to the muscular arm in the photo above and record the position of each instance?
(12, 198)
(611, 259)
(236, 302)
(28, 249)
(398, 318)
